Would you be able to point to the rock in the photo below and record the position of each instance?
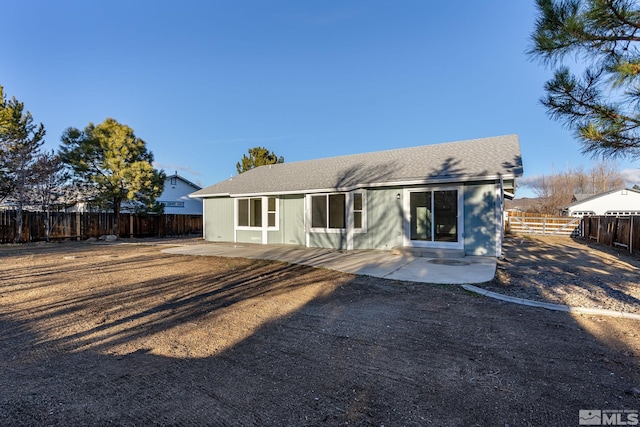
(634, 391)
(110, 238)
(92, 239)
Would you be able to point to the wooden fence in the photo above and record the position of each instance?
(81, 226)
(617, 231)
(542, 224)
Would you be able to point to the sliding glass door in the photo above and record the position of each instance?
(434, 217)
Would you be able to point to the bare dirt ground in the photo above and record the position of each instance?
(575, 272)
(125, 335)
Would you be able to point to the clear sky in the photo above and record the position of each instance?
(203, 81)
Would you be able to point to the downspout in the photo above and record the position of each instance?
(204, 221)
(500, 219)
(307, 237)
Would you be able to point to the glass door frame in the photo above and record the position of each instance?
(406, 205)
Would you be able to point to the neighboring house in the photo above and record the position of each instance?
(442, 196)
(624, 201)
(175, 196)
(525, 204)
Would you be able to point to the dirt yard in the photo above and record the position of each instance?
(574, 272)
(126, 335)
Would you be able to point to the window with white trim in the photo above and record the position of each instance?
(336, 211)
(621, 213)
(358, 211)
(249, 212)
(173, 204)
(272, 212)
(583, 213)
(328, 211)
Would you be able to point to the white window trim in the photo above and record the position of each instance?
(325, 230)
(349, 214)
(265, 214)
(265, 200)
(435, 244)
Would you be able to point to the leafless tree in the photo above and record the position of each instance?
(557, 190)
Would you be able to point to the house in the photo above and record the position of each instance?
(525, 204)
(175, 196)
(625, 201)
(442, 196)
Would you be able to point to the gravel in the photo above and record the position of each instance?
(563, 270)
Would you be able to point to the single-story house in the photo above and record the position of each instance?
(625, 201)
(175, 196)
(441, 196)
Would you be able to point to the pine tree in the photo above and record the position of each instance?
(116, 164)
(602, 106)
(258, 156)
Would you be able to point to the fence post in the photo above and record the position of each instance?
(631, 234)
(78, 229)
(131, 225)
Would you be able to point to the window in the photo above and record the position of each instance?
(328, 211)
(173, 204)
(250, 212)
(272, 213)
(357, 210)
(174, 181)
(621, 213)
(319, 211)
(243, 212)
(337, 211)
(332, 211)
(434, 216)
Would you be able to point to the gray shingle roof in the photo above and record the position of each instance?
(485, 158)
(589, 197)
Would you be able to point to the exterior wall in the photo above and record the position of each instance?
(618, 201)
(249, 236)
(480, 228)
(178, 193)
(292, 220)
(384, 220)
(218, 219)
(337, 240)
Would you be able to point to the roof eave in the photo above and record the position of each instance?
(398, 183)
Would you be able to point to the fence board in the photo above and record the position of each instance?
(622, 232)
(73, 225)
(545, 225)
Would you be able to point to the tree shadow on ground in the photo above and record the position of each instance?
(569, 271)
(316, 347)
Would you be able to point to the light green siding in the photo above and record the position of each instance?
(480, 219)
(335, 240)
(218, 219)
(249, 236)
(384, 220)
(276, 237)
(292, 220)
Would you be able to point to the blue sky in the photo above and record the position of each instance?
(203, 81)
